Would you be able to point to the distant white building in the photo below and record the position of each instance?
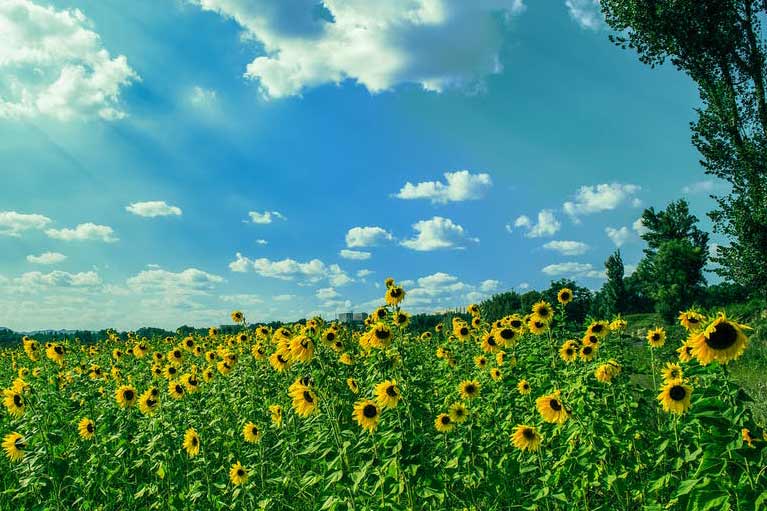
(351, 317)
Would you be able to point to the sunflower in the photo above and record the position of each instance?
(55, 352)
(656, 337)
(191, 383)
(461, 331)
(675, 397)
(536, 325)
(191, 442)
(401, 319)
(551, 408)
(469, 389)
(473, 309)
(495, 374)
(500, 358)
(444, 423)
(14, 402)
(14, 445)
(587, 353)
(175, 356)
(618, 324)
(526, 438)
(516, 323)
(208, 374)
(599, 329)
(387, 394)
(506, 336)
(671, 372)
(353, 385)
(380, 336)
(238, 317)
(480, 361)
(346, 359)
(606, 372)
(366, 414)
(126, 396)
(685, 352)
(251, 433)
(691, 320)
(523, 387)
(389, 282)
(238, 474)
(279, 360)
(747, 438)
(565, 296)
(489, 343)
(394, 295)
(305, 403)
(299, 385)
(276, 412)
(476, 322)
(722, 340)
(86, 428)
(543, 311)
(458, 413)
(569, 351)
(176, 389)
(148, 402)
(439, 327)
(302, 349)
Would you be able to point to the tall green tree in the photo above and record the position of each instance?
(614, 290)
(720, 44)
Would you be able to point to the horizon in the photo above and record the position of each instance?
(167, 164)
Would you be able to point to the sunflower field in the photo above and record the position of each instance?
(525, 412)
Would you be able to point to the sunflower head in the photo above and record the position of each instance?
(675, 397)
(86, 428)
(565, 296)
(367, 414)
(722, 340)
(526, 438)
(469, 389)
(191, 442)
(238, 474)
(443, 423)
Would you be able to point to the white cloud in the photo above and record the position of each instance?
(262, 242)
(35, 280)
(202, 97)
(573, 269)
(602, 197)
(265, 217)
(364, 273)
(461, 186)
(354, 254)
(360, 237)
(152, 209)
(46, 258)
(618, 236)
(378, 45)
(586, 13)
(639, 226)
(188, 280)
(568, 248)
(87, 231)
(13, 223)
(327, 293)
(53, 64)
(489, 285)
(283, 298)
(523, 285)
(707, 186)
(437, 233)
(242, 299)
(547, 224)
(288, 269)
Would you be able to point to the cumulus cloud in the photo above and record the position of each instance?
(53, 64)
(13, 223)
(618, 236)
(598, 198)
(707, 186)
(35, 280)
(489, 285)
(190, 279)
(87, 231)
(573, 269)
(46, 258)
(437, 233)
(547, 224)
(360, 237)
(364, 273)
(152, 209)
(568, 248)
(283, 298)
(587, 13)
(266, 217)
(289, 269)
(639, 226)
(327, 293)
(460, 186)
(354, 255)
(377, 45)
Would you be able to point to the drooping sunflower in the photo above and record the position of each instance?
(279, 360)
(389, 282)
(473, 309)
(367, 414)
(685, 352)
(305, 403)
(387, 394)
(606, 372)
(86, 428)
(523, 387)
(426, 336)
(191, 383)
(671, 372)
(251, 433)
(476, 322)
(149, 401)
(656, 337)
(380, 336)
(723, 340)
(543, 311)
(55, 352)
(565, 296)
(675, 397)
(691, 320)
(238, 474)
(469, 389)
(302, 349)
(569, 351)
(191, 442)
(401, 319)
(276, 413)
(394, 295)
(126, 396)
(14, 402)
(551, 408)
(526, 438)
(14, 445)
(587, 353)
(500, 358)
(353, 385)
(443, 423)
(618, 324)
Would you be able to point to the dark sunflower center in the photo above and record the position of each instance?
(597, 328)
(331, 336)
(593, 339)
(150, 402)
(189, 342)
(254, 431)
(382, 334)
(507, 333)
(491, 341)
(194, 441)
(177, 354)
(482, 361)
(538, 324)
(240, 472)
(569, 352)
(401, 318)
(308, 397)
(464, 331)
(19, 444)
(723, 336)
(587, 350)
(370, 411)
(516, 323)
(543, 312)
(445, 420)
(458, 412)
(128, 395)
(554, 404)
(565, 296)
(89, 428)
(693, 320)
(391, 391)
(193, 382)
(171, 370)
(470, 389)
(281, 360)
(59, 350)
(656, 337)
(17, 400)
(179, 389)
(395, 292)
(528, 433)
(677, 393)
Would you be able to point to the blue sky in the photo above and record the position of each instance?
(166, 162)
